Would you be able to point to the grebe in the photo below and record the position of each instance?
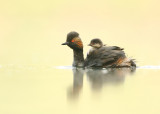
(100, 56)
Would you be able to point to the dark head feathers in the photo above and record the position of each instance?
(72, 35)
(96, 40)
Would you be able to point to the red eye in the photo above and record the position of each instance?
(72, 41)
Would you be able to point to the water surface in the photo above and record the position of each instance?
(65, 90)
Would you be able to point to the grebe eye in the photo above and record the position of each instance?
(73, 41)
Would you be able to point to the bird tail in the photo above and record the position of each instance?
(133, 62)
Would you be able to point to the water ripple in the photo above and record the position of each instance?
(139, 67)
(148, 67)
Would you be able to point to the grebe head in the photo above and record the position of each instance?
(74, 41)
(96, 43)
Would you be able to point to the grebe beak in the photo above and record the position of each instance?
(66, 43)
(89, 45)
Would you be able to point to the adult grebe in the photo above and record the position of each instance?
(100, 56)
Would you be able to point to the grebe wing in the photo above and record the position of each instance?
(114, 48)
(104, 57)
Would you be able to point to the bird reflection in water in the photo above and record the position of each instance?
(97, 78)
(74, 91)
(114, 76)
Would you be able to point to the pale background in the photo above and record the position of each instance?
(31, 31)
(31, 34)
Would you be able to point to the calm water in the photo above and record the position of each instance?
(34, 78)
(30, 89)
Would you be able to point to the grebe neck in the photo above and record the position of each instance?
(78, 58)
